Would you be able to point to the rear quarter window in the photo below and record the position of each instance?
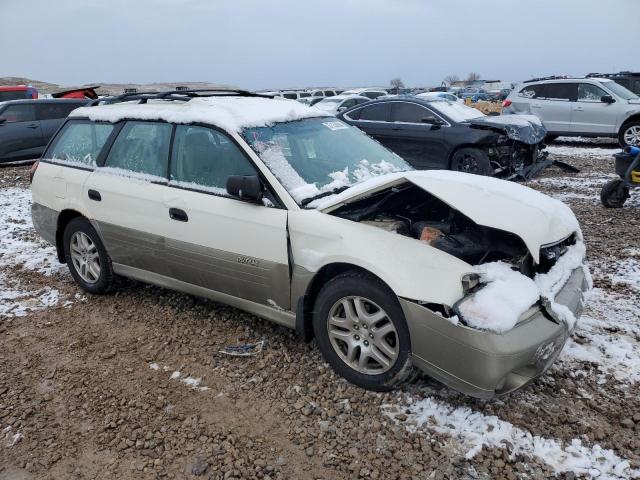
(79, 142)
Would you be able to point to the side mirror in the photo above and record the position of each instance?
(245, 187)
(432, 121)
(607, 99)
(2, 120)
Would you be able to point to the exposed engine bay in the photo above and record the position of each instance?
(410, 211)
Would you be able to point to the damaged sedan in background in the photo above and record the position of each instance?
(439, 134)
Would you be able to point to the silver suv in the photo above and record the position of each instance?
(586, 107)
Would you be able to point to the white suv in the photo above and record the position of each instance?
(586, 107)
(278, 209)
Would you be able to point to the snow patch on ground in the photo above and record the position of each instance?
(472, 430)
(192, 382)
(22, 248)
(582, 186)
(588, 152)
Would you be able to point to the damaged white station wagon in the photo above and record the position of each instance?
(272, 207)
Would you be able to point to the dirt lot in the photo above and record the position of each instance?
(132, 385)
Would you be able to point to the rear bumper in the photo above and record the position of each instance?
(485, 364)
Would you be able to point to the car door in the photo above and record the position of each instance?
(591, 114)
(20, 134)
(51, 114)
(373, 120)
(554, 105)
(219, 242)
(419, 143)
(126, 196)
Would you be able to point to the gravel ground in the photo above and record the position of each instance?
(132, 385)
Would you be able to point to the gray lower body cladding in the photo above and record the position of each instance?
(485, 364)
(45, 222)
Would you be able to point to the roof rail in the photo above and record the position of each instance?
(552, 77)
(177, 95)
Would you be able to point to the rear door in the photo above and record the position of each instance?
(419, 143)
(554, 105)
(591, 114)
(216, 241)
(374, 120)
(126, 195)
(20, 133)
(52, 114)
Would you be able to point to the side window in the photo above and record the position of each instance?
(49, 111)
(409, 112)
(328, 93)
(290, 96)
(531, 91)
(590, 93)
(19, 113)
(205, 158)
(348, 103)
(80, 142)
(375, 113)
(355, 114)
(141, 147)
(567, 92)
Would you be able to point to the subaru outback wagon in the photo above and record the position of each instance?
(278, 209)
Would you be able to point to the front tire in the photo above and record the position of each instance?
(629, 135)
(362, 333)
(87, 259)
(614, 194)
(471, 160)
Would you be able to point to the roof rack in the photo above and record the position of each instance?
(552, 77)
(610, 75)
(177, 95)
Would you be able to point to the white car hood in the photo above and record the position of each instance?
(534, 217)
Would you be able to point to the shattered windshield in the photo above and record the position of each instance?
(317, 156)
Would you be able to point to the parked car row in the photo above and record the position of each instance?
(381, 263)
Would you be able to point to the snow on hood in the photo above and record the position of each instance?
(232, 114)
(523, 128)
(534, 217)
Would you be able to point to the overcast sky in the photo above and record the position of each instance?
(296, 43)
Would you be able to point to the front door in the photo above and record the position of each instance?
(591, 114)
(420, 144)
(216, 241)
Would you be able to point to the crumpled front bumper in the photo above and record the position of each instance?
(484, 364)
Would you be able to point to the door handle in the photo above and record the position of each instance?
(94, 195)
(33, 125)
(179, 215)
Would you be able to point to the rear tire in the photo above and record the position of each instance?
(471, 160)
(362, 333)
(614, 194)
(629, 135)
(87, 259)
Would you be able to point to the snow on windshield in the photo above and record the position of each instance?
(456, 111)
(314, 156)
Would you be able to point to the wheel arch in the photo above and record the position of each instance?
(632, 118)
(64, 218)
(476, 145)
(306, 302)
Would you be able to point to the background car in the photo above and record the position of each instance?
(585, 107)
(371, 93)
(447, 135)
(440, 95)
(17, 92)
(27, 125)
(473, 94)
(340, 103)
(629, 80)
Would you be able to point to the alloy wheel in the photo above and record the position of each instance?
(85, 257)
(632, 135)
(363, 335)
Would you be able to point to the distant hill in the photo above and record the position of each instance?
(108, 88)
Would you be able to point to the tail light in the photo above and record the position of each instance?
(32, 170)
(506, 103)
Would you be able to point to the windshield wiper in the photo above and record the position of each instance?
(334, 191)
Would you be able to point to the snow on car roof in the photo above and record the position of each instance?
(231, 113)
